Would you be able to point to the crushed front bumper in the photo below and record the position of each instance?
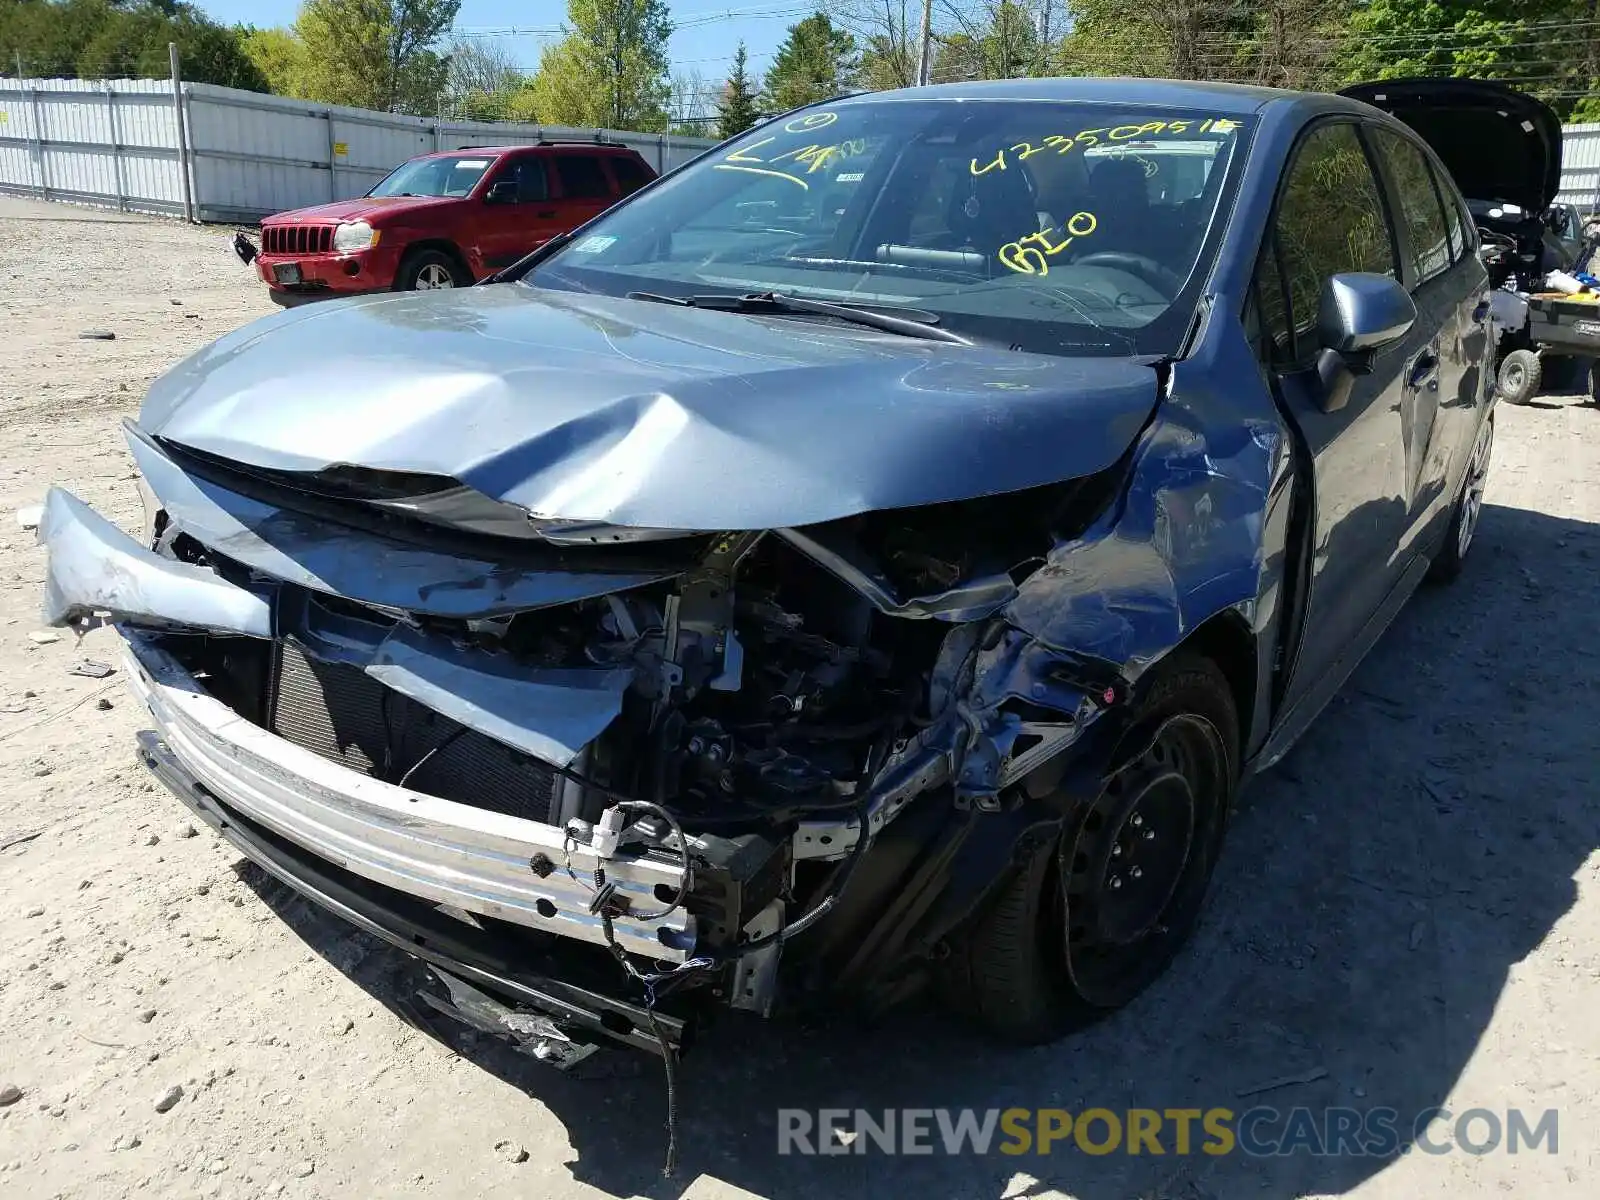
(456, 950)
(452, 854)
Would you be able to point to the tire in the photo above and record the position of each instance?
(1029, 969)
(429, 270)
(1520, 377)
(1452, 556)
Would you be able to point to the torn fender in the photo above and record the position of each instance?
(96, 568)
(1185, 540)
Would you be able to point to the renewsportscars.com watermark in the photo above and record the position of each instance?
(1260, 1131)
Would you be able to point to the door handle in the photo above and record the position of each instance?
(545, 214)
(1424, 371)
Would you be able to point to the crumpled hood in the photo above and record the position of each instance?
(633, 413)
(361, 208)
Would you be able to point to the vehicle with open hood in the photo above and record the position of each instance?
(871, 556)
(1503, 149)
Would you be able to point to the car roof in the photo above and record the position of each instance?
(516, 147)
(1231, 99)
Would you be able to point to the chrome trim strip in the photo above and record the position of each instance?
(450, 853)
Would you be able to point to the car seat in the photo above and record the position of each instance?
(987, 211)
(1120, 201)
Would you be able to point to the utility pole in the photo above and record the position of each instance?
(183, 134)
(925, 45)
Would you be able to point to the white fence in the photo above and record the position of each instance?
(120, 144)
(1580, 167)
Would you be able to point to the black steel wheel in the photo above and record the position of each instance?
(1091, 920)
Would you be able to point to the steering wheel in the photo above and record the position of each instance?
(1164, 279)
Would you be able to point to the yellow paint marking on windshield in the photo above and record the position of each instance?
(799, 183)
(1031, 255)
(999, 162)
(1123, 133)
(740, 156)
(810, 121)
(814, 157)
(1065, 143)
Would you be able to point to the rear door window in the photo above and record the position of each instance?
(630, 174)
(1421, 215)
(1460, 243)
(582, 177)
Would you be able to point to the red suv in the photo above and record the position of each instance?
(444, 220)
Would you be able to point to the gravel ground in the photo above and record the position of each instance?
(1407, 913)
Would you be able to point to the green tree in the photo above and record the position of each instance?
(996, 39)
(887, 32)
(609, 70)
(1548, 47)
(1176, 39)
(887, 62)
(94, 39)
(375, 53)
(817, 60)
(738, 111)
(280, 58)
(1295, 42)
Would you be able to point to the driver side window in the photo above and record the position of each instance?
(532, 187)
(1330, 218)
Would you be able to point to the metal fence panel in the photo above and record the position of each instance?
(1580, 166)
(110, 143)
(116, 144)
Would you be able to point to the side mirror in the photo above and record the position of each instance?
(1358, 315)
(504, 192)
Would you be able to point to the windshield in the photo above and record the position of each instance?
(452, 175)
(1065, 228)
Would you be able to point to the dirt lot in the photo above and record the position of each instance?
(1407, 914)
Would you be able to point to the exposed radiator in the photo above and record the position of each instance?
(339, 712)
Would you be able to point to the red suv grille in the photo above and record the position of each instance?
(296, 239)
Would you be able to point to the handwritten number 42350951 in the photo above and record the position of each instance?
(1064, 143)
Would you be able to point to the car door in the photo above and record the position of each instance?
(585, 186)
(1330, 218)
(512, 228)
(1444, 384)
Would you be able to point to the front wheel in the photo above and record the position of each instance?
(1088, 922)
(427, 271)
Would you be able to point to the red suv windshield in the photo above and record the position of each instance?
(448, 175)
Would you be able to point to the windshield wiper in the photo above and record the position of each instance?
(782, 302)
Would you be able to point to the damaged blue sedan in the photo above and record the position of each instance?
(870, 557)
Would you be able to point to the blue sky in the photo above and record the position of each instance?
(705, 41)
